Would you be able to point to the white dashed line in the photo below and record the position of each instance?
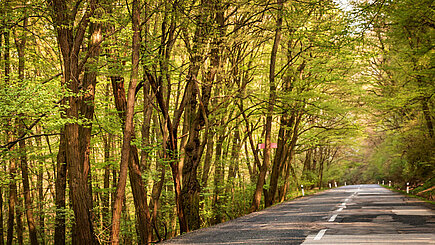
(332, 218)
(340, 209)
(320, 234)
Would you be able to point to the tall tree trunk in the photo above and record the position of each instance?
(170, 129)
(294, 132)
(208, 159)
(278, 160)
(428, 117)
(40, 187)
(219, 173)
(135, 172)
(78, 136)
(27, 195)
(21, 45)
(108, 138)
(12, 200)
(19, 218)
(195, 117)
(2, 239)
(2, 236)
(9, 135)
(60, 189)
(234, 164)
(272, 98)
(128, 126)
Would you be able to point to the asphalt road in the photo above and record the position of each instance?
(356, 214)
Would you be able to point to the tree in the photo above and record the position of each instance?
(70, 36)
(271, 103)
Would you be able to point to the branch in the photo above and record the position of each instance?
(11, 144)
(51, 78)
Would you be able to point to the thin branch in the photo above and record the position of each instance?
(11, 144)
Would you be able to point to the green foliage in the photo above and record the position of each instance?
(359, 87)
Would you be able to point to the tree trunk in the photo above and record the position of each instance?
(9, 135)
(12, 201)
(128, 126)
(272, 98)
(278, 160)
(21, 45)
(428, 117)
(290, 155)
(135, 172)
(60, 189)
(219, 173)
(78, 136)
(2, 239)
(207, 160)
(170, 129)
(19, 219)
(27, 196)
(2, 236)
(40, 187)
(108, 138)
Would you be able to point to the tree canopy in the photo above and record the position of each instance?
(130, 122)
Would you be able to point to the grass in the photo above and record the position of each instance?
(403, 192)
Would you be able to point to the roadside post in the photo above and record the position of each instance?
(345, 183)
(302, 188)
(335, 183)
(407, 187)
(329, 185)
(389, 183)
(383, 182)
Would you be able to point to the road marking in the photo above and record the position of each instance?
(320, 234)
(332, 218)
(340, 209)
(347, 199)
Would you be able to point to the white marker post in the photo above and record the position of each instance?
(407, 187)
(302, 188)
(345, 183)
(383, 182)
(335, 183)
(389, 183)
(329, 185)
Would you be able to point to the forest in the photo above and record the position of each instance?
(131, 122)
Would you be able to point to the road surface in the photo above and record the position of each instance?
(356, 214)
